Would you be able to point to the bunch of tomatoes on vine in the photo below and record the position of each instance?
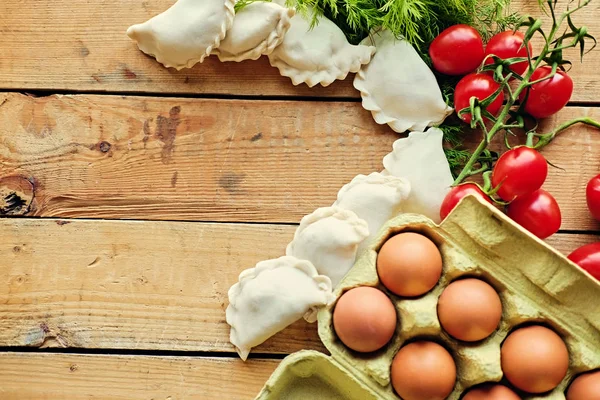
(505, 89)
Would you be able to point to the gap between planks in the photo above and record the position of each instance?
(41, 93)
(140, 353)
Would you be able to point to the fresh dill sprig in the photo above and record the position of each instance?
(418, 21)
(456, 154)
(491, 18)
(453, 133)
(243, 3)
(457, 159)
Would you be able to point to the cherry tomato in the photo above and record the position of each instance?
(508, 45)
(518, 172)
(588, 258)
(458, 50)
(457, 193)
(548, 97)
(480, 86)
(593, 196)
(538, 212)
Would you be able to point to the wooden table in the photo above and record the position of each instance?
(141, 193)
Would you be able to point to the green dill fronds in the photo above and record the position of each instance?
(456, 154)
(492, 17)
(457, 158)
(453, 133)
(418, 21)
(243, 3)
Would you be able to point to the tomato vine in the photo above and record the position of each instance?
(511, 115)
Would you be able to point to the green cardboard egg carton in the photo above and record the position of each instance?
(536, 285)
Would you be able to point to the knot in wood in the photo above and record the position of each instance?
(104, 147)
(16, 195)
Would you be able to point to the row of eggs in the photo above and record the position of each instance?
(534, 359)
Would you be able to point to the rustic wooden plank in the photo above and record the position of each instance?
(75, 377)
(566, 243)
(81, 51)
(138, 285)
(174, 159)
(131, 285)
(85, 52)
(217, 160)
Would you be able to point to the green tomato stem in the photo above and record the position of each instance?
(545, 139)
(466, 172)
(487, 181)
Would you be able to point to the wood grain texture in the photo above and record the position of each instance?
(138, 285)
(131, 285)
(85, 48)
(217, 160)
(78, 377)
(176, 159)
(566, 243)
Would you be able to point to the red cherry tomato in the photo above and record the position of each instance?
(480, 86)
(457, 193)
(538, 212)
(518, 172)
(458, 50)
(548, 97)
(508, 45)
(593, 196)
(588, 258)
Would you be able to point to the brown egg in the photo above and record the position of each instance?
(491, 392)
(585, 387)
(469, 310)
(364, 319)
(409, 264)
(423, 371)
(534, 359)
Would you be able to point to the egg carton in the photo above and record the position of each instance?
(536, 284)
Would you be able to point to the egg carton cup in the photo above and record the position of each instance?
(536, 284)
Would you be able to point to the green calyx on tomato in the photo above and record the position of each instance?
(480, 86)
(506, 46)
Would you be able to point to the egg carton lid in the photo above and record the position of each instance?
(309, 374)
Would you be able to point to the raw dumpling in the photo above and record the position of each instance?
(420, 159)
(257, 30)
(375, 198)
(186, 33)
(329, 239)
(272, 296)
(319, 55)
(399, 88)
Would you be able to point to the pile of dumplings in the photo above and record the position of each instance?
(396, 86)
(276, 293)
